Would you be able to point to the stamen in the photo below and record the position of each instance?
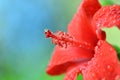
(63, 39)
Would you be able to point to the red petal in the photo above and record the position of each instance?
(62, 58)
(90, 7)
(105, 64)
(80, 26)
(74, 70)
(107, 17)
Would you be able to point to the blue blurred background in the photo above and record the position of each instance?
(24, 51)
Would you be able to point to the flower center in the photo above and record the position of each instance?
(63, 39)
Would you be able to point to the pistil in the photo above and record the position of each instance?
(63, 39)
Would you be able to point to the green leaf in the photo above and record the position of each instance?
(106, 2)
(80, 77)
(113, 37)
(118, 51)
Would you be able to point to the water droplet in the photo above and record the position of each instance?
(111, 49)
(103, 78)
(114, 61)
(86, 43)
(98, 65)
(108, 66)
(104, 70)
(80, 45)
(93, 74)
(114, 21)
(99, 43)
(97, 31)
(96, 48)
(117, 77)
(45, 30)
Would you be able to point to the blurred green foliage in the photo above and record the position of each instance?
(106, 2)
(112, 35)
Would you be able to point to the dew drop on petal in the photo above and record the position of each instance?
(104, 70)
(99, 43)
(103, 79)
(108, 66)
(96, 48)
(114, 21)
(93, 74)
(98, 65)
(86, 43)
(111, 49)
(97, 31)
(80, 45)
(117, 77)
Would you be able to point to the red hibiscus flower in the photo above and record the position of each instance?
(83, 49)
